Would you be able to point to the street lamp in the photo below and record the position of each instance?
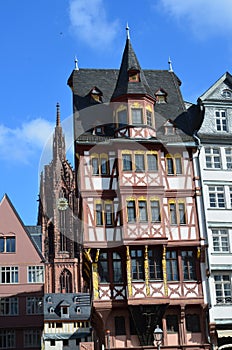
(158, 336)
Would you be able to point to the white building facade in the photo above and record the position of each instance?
(215, 177)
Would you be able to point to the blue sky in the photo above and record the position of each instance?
(40, 39)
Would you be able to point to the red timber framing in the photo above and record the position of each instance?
(142, 252)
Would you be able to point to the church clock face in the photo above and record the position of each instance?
(62, 204)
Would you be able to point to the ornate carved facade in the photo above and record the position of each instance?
(57, 210)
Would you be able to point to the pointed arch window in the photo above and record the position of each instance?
(66, 281)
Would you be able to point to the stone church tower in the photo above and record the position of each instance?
(57, 207)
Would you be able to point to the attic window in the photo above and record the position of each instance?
(226, 93)
(51, 310)
(96, 95)
(78, 310)
(161, 96)
(76, 300)
(98, 130)
(133, 75)
(169, 128)
(49, 299)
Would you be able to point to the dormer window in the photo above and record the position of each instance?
(64, 311)
(133, 75)
(76, 300)
(98, 130)
(96, 95)
(226, 93)
(51, 310)
(161, 96)
(49, 299)
(78, 310)
(169, 129)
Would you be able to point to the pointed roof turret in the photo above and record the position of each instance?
(57, 114)
(131, 79)
(59, 149)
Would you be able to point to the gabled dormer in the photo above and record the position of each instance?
(95, 95)
(217, 102)
(133, 100)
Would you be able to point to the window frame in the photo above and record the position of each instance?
(137, 114)
(137, 264)
(221, 120)
(155, 210)
(221, 282)
(142, 210)
(34, 306)
(131, 209)
(155, 264)
(228, 155)
(97, 164)
(32, 338)
(220, 239)
(174, 164)
(216, 196)
(35, 274)
(124, 114)
(9, 273)
(139, 162)
(103, 267)
(4, 247)
(172, 266)
(9, 306)
(103, 216)
(8, 337)
(212, 159)
(188, 260)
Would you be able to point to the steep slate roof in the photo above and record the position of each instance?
(56, 300)
(226, 77)
(123, 86)
(114, 83)
(36, 235)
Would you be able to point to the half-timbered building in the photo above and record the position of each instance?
(136, 206)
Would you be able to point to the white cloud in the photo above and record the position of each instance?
(90, 23)
(204, 17)
(20, 144)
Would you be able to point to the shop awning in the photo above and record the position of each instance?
(224, 333)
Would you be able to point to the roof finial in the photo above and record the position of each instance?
(57, 114)
(76, 64)
(170, 64)
(127, 31)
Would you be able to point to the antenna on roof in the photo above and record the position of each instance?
(127, 31)
(170, 64)
(76, 64)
